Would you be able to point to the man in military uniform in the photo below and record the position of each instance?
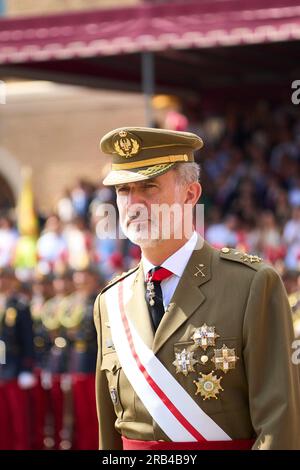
(42, 291)
(194, 344)
(76, 318)
(55, 359)
(16, 371)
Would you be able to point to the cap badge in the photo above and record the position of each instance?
(208, 385)
(125, 144)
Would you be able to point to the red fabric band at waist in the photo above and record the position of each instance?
(236, 444)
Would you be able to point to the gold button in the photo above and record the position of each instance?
(60, 342)
(204, 359)
(225, 250)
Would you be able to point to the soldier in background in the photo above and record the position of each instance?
(55, 361)
(76, 316)
(16, 373)
(42, 291)
(292, 284)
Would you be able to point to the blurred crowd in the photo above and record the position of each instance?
(250, 173)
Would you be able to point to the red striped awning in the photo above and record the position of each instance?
(148, 27)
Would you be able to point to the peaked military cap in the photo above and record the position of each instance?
(141, 153)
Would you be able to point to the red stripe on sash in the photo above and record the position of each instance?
(171, 407)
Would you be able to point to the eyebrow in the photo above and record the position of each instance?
(138, 183)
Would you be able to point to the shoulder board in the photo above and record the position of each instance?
(118, 278)
(231, 254)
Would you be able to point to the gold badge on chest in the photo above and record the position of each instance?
(184, 362)
(10, 316)
(208, 385)
(224, 358)
(205, 336)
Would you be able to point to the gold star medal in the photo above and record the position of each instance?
(225, 358)
(208, 385)
(184, 362)
(205, 336)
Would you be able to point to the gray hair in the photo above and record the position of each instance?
(187, 173)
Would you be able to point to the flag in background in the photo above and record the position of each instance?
(26, 216)
(25, 255)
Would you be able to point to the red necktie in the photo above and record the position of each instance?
(154, 295)
(158, 274)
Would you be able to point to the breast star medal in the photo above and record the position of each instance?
(224, 358)
(205, 336)
(208, 385)
(184, 362)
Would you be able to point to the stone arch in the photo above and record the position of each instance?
(10, 179)
(7, 199)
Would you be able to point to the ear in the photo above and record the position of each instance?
(193, 193)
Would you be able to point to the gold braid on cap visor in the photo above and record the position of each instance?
(150, 162)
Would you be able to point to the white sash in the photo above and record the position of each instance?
(173, 409)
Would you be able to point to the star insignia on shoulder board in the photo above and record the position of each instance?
(208, 385)
(184, 362)
(250, 258)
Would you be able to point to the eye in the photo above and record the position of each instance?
(122, 189)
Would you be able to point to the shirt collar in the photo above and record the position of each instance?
(177, 261)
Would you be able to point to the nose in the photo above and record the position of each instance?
(134, 197)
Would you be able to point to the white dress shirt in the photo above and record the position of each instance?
(176, 263)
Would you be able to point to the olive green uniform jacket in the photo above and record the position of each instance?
(246, 302)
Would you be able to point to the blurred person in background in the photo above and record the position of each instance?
(223, 233)
(81, 197)
(291, 237)
(51, 245)
(42, 291)
(79, 241)
(292, 283)
(56, 358)
(294, 193)
(8, 241)
(267, 239)
(75, 315)
(65, 209)
(107, 247)
(16, 374)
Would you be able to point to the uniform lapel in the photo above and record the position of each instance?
(137, 310)
(188, 296)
